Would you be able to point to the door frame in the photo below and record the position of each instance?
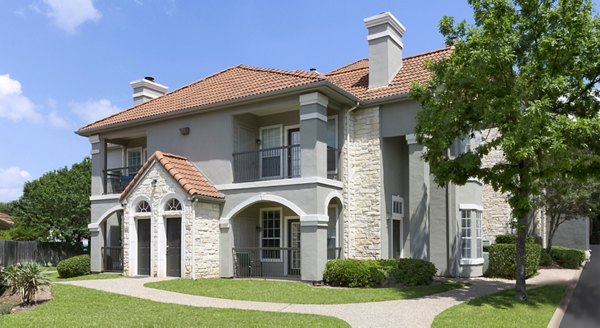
(281, 159)
(286, 240)
(181, 243)
(287, 129)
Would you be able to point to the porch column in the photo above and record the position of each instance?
(313, 135)
(418, 201)
(95, 245)
(98, 164)
(313, 239)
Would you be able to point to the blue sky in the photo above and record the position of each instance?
(64, 63)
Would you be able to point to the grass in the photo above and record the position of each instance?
(503, 310)
(82, 307)
(293, 291)
(53, 276)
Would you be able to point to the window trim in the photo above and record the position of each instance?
(474, 232)
(281, 230)
(335, 118)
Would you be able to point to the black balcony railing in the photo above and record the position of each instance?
(267, 164)
(117, 179)
(266, 262)
(112, 258)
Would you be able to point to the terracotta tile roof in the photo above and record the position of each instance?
(232, 83)
(183, 171)
(355, 77)
(244, 81)
(5, 221)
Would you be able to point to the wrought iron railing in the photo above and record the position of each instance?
(266, 262)
(112, 257)
(116, 179)
(267, 164)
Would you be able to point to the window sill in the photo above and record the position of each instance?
(472, 261)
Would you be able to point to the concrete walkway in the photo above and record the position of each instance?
(584, 308)
(408, 313)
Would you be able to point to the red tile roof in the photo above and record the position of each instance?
(189, 177)
(5, 221)
(245, 81)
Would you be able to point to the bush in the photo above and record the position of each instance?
(503, 260)
(569, 258)
(74, 266)
(25, 279)
(512, 239)
(415, 272)
(545, 259)
(354, 273)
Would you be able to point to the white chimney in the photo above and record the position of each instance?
(146, 89)
(385, 48)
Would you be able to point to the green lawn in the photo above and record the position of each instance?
(502, 310)
(53, 276)
(294, 291)
(81, 307)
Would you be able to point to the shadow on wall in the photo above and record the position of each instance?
(419, 228)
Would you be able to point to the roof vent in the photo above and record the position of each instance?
(149, 78)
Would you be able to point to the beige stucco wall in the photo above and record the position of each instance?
(362, 189)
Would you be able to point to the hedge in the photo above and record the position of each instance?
(503, 260)
(74, 266)
(512, 239)
(569, 258)
(373, 273)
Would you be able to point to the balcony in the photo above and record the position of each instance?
(277, 163)
(116, 179)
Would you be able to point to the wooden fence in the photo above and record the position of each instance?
(12, 252)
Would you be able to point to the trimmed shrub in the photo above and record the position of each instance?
(74, 266)
(568, 258)
(512, 239)
(545, 259)
(503, 260)
(415, 272)
(354, 273)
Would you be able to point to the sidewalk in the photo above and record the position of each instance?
(409, 313)
(584, 308)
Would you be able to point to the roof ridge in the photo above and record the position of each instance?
(428, 53)
(335, 71)
(304, 74)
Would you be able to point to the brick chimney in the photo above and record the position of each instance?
(385, 48)
(146, 89)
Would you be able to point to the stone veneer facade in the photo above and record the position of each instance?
(200, 221)
(362, 192)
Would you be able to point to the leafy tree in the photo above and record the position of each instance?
(525, 73)
(56, 206)
(564, 199)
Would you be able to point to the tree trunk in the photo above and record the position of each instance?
(521, 258)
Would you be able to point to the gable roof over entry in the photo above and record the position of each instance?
(187, 175)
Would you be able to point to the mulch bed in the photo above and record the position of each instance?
(13, 302)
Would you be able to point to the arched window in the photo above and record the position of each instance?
(173, 205)
(143, 207)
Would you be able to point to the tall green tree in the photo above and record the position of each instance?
(525, 73)
(56, 206)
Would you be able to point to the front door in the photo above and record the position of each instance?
(143, 236)
(293, 153)
(294, 245)
(174, 247)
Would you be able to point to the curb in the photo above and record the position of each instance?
(564, 302)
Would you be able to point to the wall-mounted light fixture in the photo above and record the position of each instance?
(258, 142)
(258, 229)
(154, 182)
(184, 131)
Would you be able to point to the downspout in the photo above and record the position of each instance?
(348, 171)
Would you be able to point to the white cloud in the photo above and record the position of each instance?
(69, 14)
(93, 110)
(13, 104)
(56, 120)
(12, 180)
